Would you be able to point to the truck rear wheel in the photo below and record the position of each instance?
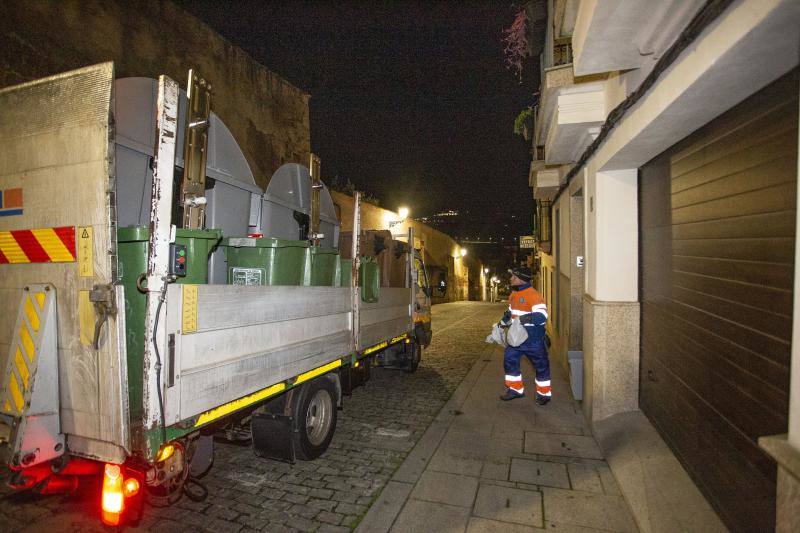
(315, 412)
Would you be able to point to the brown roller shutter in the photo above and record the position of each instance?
(717, 226)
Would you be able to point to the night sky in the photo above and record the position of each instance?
(411, 101)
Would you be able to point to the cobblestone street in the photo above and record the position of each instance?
(381, 422)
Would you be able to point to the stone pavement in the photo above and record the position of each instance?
(512, 467)
(379, 425)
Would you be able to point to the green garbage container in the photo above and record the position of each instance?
(133, 245)
(346, 272)
(369, 276)
(266, 261)
(324, 266)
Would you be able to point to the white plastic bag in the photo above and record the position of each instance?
(517, 334)
(498, 336)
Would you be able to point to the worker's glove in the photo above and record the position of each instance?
(526, 319)
(506, 320)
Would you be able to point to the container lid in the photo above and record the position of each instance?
(133, 234)
(141, 233)
(262, 242)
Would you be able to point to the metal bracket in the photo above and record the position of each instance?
(354, 276)
(105, 305)
(195, 149)
(314, 234)
(29, 400)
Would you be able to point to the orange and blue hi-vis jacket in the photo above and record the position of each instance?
(528, 305)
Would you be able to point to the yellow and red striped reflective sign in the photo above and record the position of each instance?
(44, 245)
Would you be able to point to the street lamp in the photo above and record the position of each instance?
(485, 270)
(403, 212)
(463, 252)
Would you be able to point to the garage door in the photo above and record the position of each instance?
(717, 223)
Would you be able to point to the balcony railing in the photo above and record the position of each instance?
(562, 54)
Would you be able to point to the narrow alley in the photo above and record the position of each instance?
(400, 267)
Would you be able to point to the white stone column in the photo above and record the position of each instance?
(610, 303)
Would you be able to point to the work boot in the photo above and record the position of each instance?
(542, 400)
(511, 395)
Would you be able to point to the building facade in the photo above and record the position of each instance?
(665, 178)
(453, 275)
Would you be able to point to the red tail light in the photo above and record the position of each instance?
(131, 487)
(113, 501)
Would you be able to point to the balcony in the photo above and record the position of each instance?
(613, 35)
(571, 112)
(545, 180)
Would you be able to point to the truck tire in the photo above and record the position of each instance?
(315, 411)
(413, 357)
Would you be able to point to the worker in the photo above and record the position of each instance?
(526, 304)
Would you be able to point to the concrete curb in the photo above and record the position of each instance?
(382, 513)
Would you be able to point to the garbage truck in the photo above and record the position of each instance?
(155, 296)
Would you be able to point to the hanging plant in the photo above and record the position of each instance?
(515, 42)
(523, 124)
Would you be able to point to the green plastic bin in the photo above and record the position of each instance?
(325, 266)
(369, 274)
(266, 261)
(345, 272)
(133, 244)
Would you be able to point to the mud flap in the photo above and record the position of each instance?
(351, 377)
(424, 334)
(203, 457)
(272, 436)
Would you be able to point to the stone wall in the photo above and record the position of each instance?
(265, 113)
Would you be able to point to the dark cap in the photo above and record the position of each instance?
(522, 273)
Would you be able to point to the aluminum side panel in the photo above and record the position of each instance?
(388, 317)
(248, 338)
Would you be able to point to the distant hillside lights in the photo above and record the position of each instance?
(433, 218)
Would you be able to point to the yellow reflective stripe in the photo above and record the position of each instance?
(33, 316)
(317, 371)
(22, 367)
(377, 347)
(7, 406)
(11, 249)
(16, 394)
(40, 299)
(222, 410)
(52, 245)
(27, 342)
(398, 338)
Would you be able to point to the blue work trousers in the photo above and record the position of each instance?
(536, 351)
